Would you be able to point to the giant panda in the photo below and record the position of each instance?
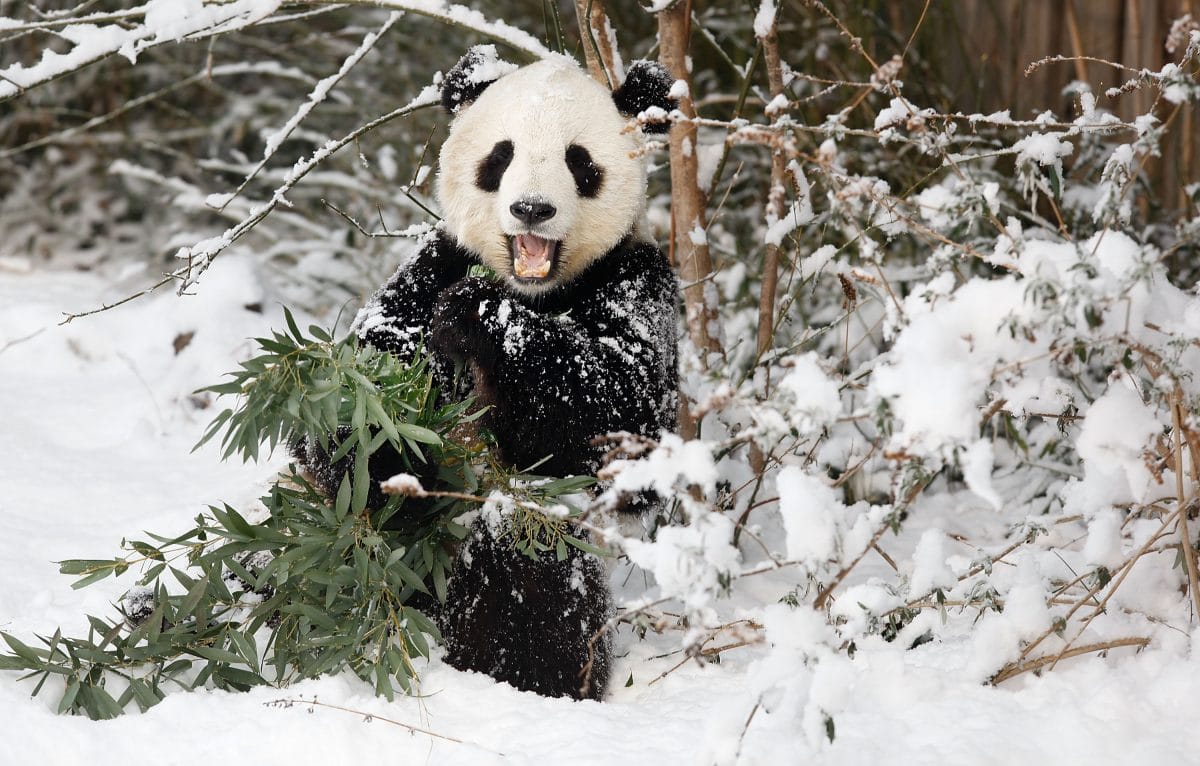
(540, 179)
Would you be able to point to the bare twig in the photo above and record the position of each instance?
(1185, 539)
(200, 256)
(1017, 668)
(287, 702)
(317, 95)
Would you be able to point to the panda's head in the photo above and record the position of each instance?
(540, 174)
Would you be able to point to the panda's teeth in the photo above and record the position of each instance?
(533, 256)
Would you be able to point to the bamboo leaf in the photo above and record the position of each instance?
(418, 433)
(25, 652)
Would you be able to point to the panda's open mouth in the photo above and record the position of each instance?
(533, 257)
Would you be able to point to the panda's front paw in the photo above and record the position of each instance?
(459, 328)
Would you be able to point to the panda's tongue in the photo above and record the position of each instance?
(532, 256)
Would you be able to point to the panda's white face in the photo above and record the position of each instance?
(540, 177)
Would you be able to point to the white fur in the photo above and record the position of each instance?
(542, 108)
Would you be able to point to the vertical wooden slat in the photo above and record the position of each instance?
(1003, 36)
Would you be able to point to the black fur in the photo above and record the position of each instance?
(529, 623)
(611, 367)
(558, 384)
(646, 84)
(588, 175)
(463, 83)
(491, 169)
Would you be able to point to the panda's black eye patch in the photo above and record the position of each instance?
(491, 170)
(586, 172)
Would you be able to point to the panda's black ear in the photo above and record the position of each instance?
(647, 84)
(478, 68)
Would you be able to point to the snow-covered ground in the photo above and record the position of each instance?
(98, 424)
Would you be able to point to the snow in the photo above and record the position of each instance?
(1103, 547)
(163, 21)
(100, 425)
(799, 213)
(815, 401)
(930, 570)
(813, 264)
(403, 484)
(764, 19)
(977, 472)
(900, 112)
(1115, 434)
(810, 513)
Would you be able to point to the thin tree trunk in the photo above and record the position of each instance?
(687, 199)
(599, 42)
(775, 207)
(775, 210)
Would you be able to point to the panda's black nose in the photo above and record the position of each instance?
(532, 211)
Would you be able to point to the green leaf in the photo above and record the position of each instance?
(106, 706)
(92, 578)
(418, 433)
(84, 566)
(383, 684)
(383, 420)
(245, 647)
(216, 654)
(409, 577)
(291, 323)
(27, 653)
(145, 696)
(332, 571)
(565, 486)
(192, 600)
(439, 581)
(358, 420)
(314, 615)
(362, 482)
(575, 542)
(10, 662)
(239, 678)
(67, 703)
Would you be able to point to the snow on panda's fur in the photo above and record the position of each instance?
(540, 180)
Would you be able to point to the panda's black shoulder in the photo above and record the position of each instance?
(440, 261)
(395, 319)
(444, 258)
